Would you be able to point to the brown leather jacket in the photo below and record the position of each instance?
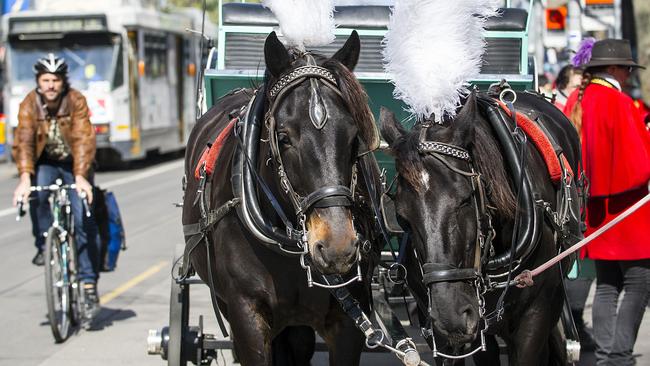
(78, 133)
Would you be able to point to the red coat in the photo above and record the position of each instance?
(616, 160)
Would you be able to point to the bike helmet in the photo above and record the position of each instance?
(51, 64)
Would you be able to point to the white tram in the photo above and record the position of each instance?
(136, 66)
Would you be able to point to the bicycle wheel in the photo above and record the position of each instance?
(58, 287)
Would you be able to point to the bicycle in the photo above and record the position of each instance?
(65, 297)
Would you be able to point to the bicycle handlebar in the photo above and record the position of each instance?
(53, 188)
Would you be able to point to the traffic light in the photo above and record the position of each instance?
(556, 18)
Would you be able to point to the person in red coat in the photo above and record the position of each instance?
(616, 161)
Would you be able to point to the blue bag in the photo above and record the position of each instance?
(116, 238)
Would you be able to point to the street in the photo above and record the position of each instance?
(135, 298)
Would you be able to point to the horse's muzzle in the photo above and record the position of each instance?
(455, 314)
(332, 239)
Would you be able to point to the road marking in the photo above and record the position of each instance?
(150, 172)
(132, 282)
(8, 211)
(144, 174)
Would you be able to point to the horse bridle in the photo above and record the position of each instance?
(442, 272)
(327, 196)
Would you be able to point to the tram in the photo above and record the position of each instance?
(136, 66)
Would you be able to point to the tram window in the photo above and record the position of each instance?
(89, 58)
(155, 55)
(118, 78)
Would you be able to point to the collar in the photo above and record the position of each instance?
(43, 111)
(608, 78)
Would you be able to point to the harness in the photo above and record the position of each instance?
(246, 124)
(487, 271)
(291, 241)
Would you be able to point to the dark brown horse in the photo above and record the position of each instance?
(455, 190)
(314, 122)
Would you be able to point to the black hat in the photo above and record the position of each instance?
(612, 52)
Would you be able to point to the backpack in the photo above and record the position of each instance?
(110, 228)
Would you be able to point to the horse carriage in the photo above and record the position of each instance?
(243, 47)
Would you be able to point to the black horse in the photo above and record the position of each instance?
(314, 122)
(456, 194)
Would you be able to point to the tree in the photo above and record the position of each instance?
(212, 6)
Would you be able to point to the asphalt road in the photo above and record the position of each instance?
(135, 298)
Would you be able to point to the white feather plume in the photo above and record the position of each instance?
(304, 22)
(432, 49)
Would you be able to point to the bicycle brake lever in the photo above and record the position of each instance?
(84, 201)
(21, 211)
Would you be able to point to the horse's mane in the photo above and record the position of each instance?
(486, 155)
(355, 98)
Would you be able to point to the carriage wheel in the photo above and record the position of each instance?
(179, 311)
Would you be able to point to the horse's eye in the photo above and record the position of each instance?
(283, 138)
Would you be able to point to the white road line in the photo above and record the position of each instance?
(121, 181)
(8, 211)
(144, 174)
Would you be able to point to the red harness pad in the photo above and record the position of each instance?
(543, 145)
(211, 153)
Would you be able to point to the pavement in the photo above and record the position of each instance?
(135, 297)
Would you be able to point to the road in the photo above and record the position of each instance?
(135, 298)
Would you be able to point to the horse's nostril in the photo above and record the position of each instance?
(468, 316)
(320, 249)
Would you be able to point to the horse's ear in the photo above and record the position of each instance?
(391, 130)
(465, 122)
(276, 55)
(348, 55)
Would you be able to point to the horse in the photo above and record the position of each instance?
(456, 196)
(313, 123)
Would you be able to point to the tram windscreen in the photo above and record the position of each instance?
(90, 59)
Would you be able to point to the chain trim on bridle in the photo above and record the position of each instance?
(302, 73)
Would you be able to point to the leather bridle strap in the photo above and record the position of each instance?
(329, 196)
(441, 272)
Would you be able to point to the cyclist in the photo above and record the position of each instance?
(55, 139)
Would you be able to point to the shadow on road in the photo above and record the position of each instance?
(108, 316)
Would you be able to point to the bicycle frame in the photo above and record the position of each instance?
(63, 293)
